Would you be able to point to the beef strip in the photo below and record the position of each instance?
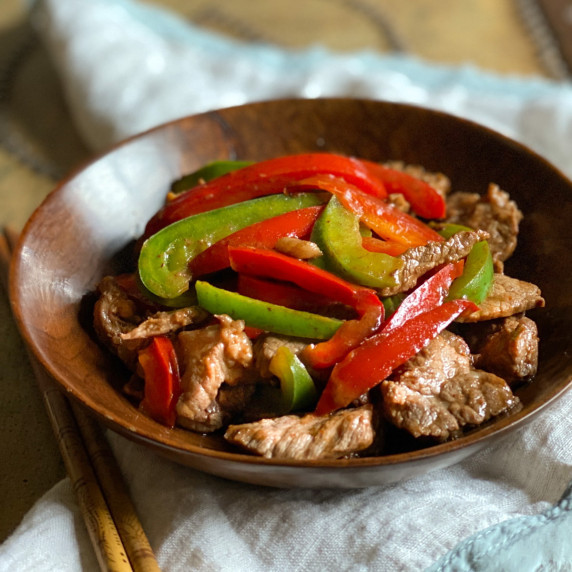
(297, 248)
(493, 212)
(309, 437)
(438, 391)
(507, 296)
(209, 357)
(162, 323)
(125, 330)
(507, 347)
(115, 314)
(399, 202)
(421, 259)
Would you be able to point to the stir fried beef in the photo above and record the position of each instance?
(163, 323)
(421, 259)
(452, 383)
(298, 248)
(400, 202)
(211, 356)
(114, 315)
(507, 296)
(507, 348)
(438, 391)
(125, 330)
(309, 437)
(493, 212)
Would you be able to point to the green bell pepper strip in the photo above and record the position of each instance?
(265, 316)
(283, 294)
(392, 303)
(272, 264)
(386, 220)
(337, 233)
(207, 173)
(298, 391)
(164, 257)
(477, 278)
(448, 229)
(264, 178)
(263, 234)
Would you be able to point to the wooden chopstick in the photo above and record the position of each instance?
(116, 533)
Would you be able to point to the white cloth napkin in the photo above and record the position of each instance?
(126, 67)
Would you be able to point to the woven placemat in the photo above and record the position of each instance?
(35, 127)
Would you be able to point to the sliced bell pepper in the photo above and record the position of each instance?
(162, 382)
(264, 234)
(392, 303)
(207, 173)
(369, 364)
(477, 277)
(350, 335)
(298, 391)
(386, 220)
(263, 178)
(165, 256)
(424, 199)
(447, 230)
(265, 316)
(282, 294)
(365, 301)
(337, 234)
(273, 264)
(385, 246)
(428, 295)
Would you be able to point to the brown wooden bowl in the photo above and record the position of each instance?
(79, 232)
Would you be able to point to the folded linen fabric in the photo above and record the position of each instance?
(501, 509)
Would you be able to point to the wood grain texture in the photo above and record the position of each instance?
(119, 541)
(58, 263)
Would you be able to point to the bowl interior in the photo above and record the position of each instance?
(84, 229)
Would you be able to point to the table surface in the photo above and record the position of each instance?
(490, 34)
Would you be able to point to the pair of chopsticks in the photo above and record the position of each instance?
(114, 528)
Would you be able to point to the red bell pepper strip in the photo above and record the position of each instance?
(273, 264)
(371, 362)
(162, 382)
(164, 257)
(365, 301)
(349, 336)
(373, 244)
(282, 294)
(263, 178)
(382, 217)
(264, 315)
(425, 297)
(264, 234)
(424, 199)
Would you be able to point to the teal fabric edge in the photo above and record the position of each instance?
(539, 542)
(174, 29)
